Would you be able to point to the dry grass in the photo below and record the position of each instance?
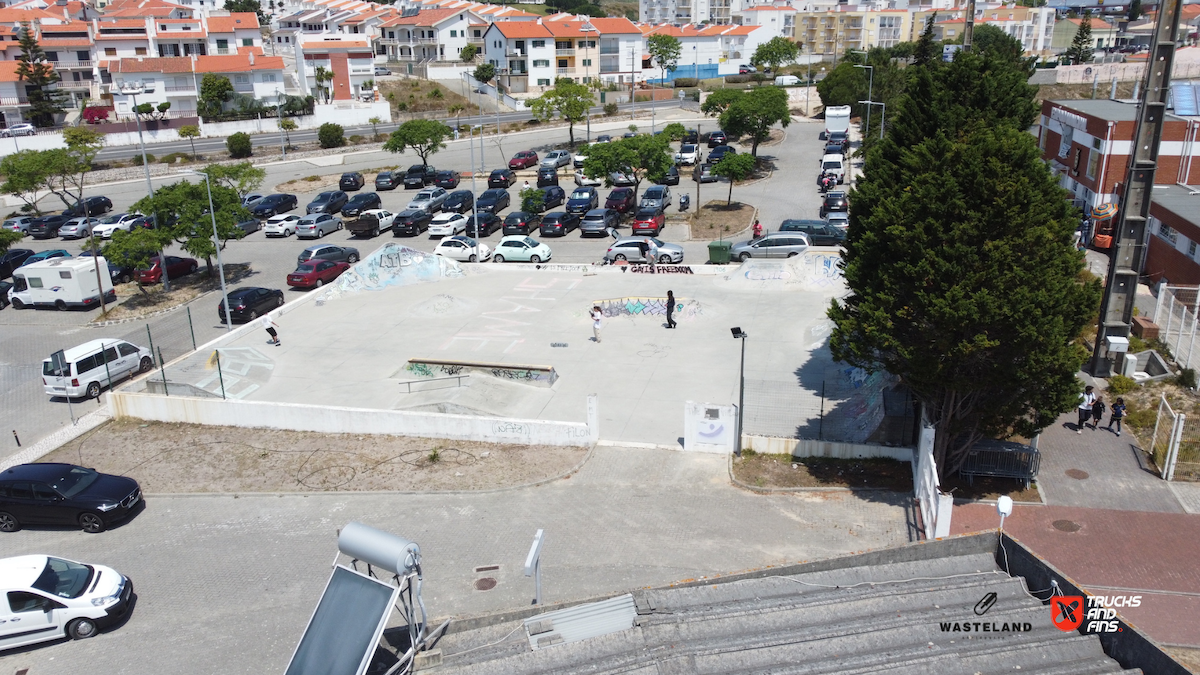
(132, 303)
(1190, 658)
(1055, 92)
(785, 471)
(990, 489)
(181, 458)
(717, 220)
(417, 97)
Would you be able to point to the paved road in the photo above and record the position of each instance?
(226, 585)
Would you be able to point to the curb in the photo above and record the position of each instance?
(58, 438)
(151, 315)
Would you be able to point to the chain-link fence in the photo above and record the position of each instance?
(1175, 443)
(846, 404)
(1175, 314)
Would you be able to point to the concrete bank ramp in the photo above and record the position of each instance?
(810, 271)
(392, 265)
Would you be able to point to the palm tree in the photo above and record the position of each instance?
(322, 76)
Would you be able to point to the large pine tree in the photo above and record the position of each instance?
(39, 77)
(1080, 50)
(963, 278)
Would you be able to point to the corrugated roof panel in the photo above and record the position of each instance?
(581, 622)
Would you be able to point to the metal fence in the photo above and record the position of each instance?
(846, 404)
(1175, 314)
(1175, 443)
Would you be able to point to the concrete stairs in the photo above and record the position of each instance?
(885, 619)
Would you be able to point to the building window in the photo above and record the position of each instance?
(1191, 249)
(453, 33)
(241, 79)
(1166, 232)
(541, 63)
(222, 44)
(1093, 163)
(140, 51)
(247, 42)
(538, 43)
(110, 51)
(268, 77)
(543, 82)
(587, 62)
(1064, 144)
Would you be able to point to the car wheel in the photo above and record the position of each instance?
(279, 301)
(375, 232)
(146, 364)
(124, 279)
(192, 268)
(619, 257)
(82, 629)
(253, 315)
(60, 305)
(473, 258)
(91, 523)
(793, 254)
(664, 259)
(287, 233)
(340, 224)
(8, 522)
(93, 390)
(320, 283)
(743, 257)
(498, 258)
(17, 304)
(535, 259)
(352, 258)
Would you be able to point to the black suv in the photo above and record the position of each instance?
(93, 205)
(351, 181)
(328, 202)
(47, 226)
(493, 201)
(547, 175)
(388, 180)
(559, 223)
(502, 178)
(717, 138)
(521, 222)
(835, 201)
(552, 195)
(411, 222)
(361, 202)
(447, 179)
(691, 136)
(247, 304)
(459, 201)
(14, 258)
(820, 233)
(418, 176)
(482, 224)
(273, 205)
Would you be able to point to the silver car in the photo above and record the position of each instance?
(838, 219)
(557, 158)
(630, 249)
(774, 245)
(316, 225)
(657, 197)
(77, 228)
(582, 180)
(429, 199)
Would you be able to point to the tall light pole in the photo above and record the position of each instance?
(279, 121)
(870, 93)
(212, 212)
(471, 140)
(132, 90)
(739, 334)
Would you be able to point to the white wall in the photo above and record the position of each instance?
(808, 448)
(9, 146)
(344, 114)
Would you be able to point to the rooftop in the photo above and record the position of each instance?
(1105, 109)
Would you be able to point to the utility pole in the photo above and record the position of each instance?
(968, 27)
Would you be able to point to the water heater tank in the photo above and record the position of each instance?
(379, 548)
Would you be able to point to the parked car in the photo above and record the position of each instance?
(493, 201)
(64, 494)
(649, 221)
(717, 139)
(447, 225)
(622, 199)
(371, 222)
(275, 204)
(45, 255)
(380, 70)
(77, 228)
(583, 199)
(328, 202)
(656, 197)
(18, 224)
(523, 160)
(317, 225)
(90, 206)
(418, 176)
(552, 196)
(520, 248)
(46, 227)
(351, 181)
(5, 287)
(411, 222)
(521, 222)
(718, 153)
(249, 303)
(603, 138)
(841, 138)
(688, 154)
(629, 134)
(19, 130)
(63, 598)
(819, 232)
(597, 221)
(578, 159)
(346, 254)
(703, 174)
(774, 245)
(463, 249)
(176, 267)
(109, 224)
(388, 180)
(582, 180)
(559, 223)
(621, 179)
(671, 177)
(316, 273)
(834, 149)
(691, 136)
(838, 219)
(746, 70)
(363, 201)
(630, 249)
(430, 199)
(249, 226)
(834, 165)
(250, 200)
(556, 158)
(282, 225)
(835, 200)
(482, 224)
(502, 178)
(447, 179)
(12, 259)
(547, 175)
(459, 201)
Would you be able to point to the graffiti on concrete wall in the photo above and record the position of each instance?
(529, 375)
(645, 306)
(821, 270)
(660, 269)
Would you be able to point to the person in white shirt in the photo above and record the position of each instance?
(597, 322)
(1085, 407)
(271, 327)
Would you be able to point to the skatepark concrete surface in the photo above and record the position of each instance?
(349, 344)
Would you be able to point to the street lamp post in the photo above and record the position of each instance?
(870, 94)
(739, 334)
(132, 91)
(471, 141)
(212, 212)
(882, 113)
(279, 121)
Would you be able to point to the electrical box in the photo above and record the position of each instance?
(709, 428)
(1116, 344)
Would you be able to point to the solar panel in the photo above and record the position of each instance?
(1183, 96)
(344, 630)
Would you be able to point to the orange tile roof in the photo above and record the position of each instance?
(236, 63)
(122, 23)
(227, 24)
(65, 42)
(9, 15)
(316, 45)
(426, 17)
(250, 50)
(169, 64)
(8, 71)
(1096, 23)
(615, 26)
(522, 29)
(72, 27)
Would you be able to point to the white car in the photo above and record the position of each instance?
(520, 248)
(49, 598)
(77, 228)
(447, 225)
(578, 159)
(316, 225)
(463, 249)
(282, 225)
(429, 200)
(581, 180)
(19, 130)
(112, 223)
(687, 154)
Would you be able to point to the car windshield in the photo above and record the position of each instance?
(647, 215)
(581, 194)
(306, 268)
(495, 194)
(831, 165)
(687, 148)
(323, 197)
(74, 481)
(529, 241)
(64, 578)
(516, 218)
(109, 220)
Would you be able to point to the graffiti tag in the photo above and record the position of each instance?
(662, 269)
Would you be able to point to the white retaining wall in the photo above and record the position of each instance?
(935, 505)
(345, 114)
(809, 448)
(338, 420)
(10, 146)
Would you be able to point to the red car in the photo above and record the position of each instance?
(649, 221)
(523, 160)
(176, 267)
(622, 199)
(316, 273)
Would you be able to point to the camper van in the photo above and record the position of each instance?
(86, 369)
(61, 283)
(787, 81)
(837, 118)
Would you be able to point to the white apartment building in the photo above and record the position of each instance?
(427, 35)
(350, 59)
(177, 79)
(1033, 27)
(533, 54)
(709, 51)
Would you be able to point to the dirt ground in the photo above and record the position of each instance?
(1190, 658)
(785, 471)
(132, 303)
(715, 220)
(991, 488)
(181, 458)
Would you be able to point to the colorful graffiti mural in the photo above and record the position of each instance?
(646, 306)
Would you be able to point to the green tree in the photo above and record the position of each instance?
(1135, 10)
(38, 76)
(674, 131)
(247, 6)
(532, 200)
(484, 72)
(243, 177)
(844, 85)
(735, 168)
(1080, 50)
(774, 53)
(187, 204)
(750, 113)
(567, 100)
(331, 135)
(67, 168)
(215, 90)
(375, 122)
(424, 137)
(643, 157)
(239, 145)
(926, 53)
(973, 303)
(25, 174)
(8, 238)
(322, 76)
(665, 50)
(136, 249)
(190, 132)
(288, 125)
(468, 53)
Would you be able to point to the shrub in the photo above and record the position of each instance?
(331, 135)
(1140, 418)
(737, 79)
(95, 115)
(174, 157)
(312, 179)
(1119, 384)
(610, 109)
(137, 159)
(1161, 347)
(1187, 378)
(685, 82)
(356, 139)
(239, 145)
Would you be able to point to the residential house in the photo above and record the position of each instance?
(534, 54)
(349, 59)
(780, 20)
(426, 35)
(69, 47)
(13, 101)
(1104, 34)
(177, 79)
(1033, 27)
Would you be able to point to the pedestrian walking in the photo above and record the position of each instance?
(1118, 414)
(652, 254)
(1098, 409)
(269, 324)
(1085, 407)
(670, 309)
(597, 322)
(757, 230)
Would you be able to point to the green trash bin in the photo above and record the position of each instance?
(718, 252)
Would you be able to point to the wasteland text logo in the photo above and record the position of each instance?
(981, 608)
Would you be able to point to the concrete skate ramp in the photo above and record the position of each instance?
(813, 270)
(392, 265)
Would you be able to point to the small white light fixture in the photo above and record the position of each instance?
(1004, 506)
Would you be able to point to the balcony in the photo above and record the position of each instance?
(180, 88)
(66, 65)
(244, 87)
(223, 51)
(607, 68)
(564, 52)
(514, 53)
(564, 71)
(11, 101)
(610, 51)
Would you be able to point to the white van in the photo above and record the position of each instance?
(787, 81)
(62, 283)
(834, 165)
(46, 598)
(93, 365)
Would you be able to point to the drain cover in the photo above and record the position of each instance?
(1060, 525)
(1077, 474)
(485, 584)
